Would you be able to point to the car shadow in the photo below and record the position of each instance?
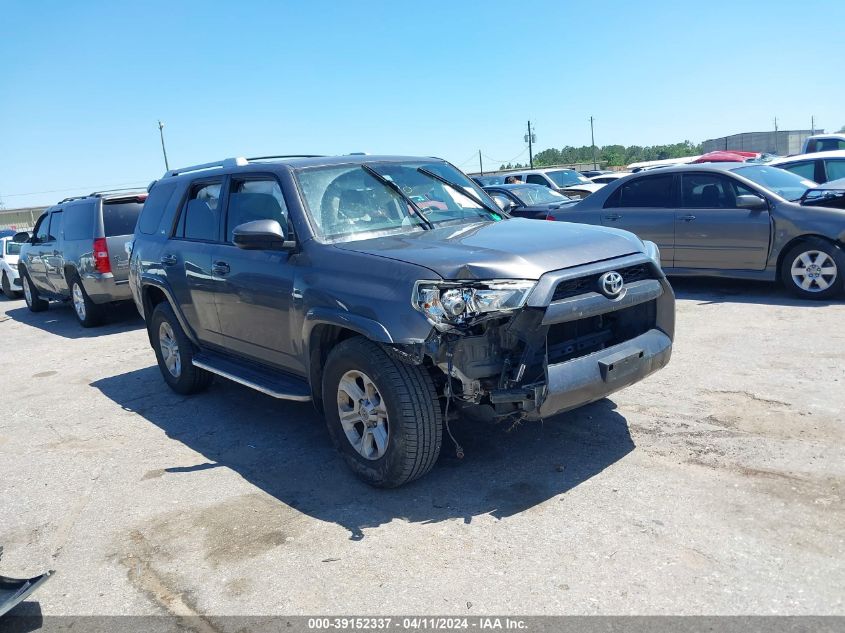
(283, 448)
(23, 618)
(60, 320)
(708, 290)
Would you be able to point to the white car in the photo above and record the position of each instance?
(9, 278)
(605, 179)
(820, 167)
(561, 179)
(823, 143)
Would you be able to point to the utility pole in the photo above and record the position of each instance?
(593, 143)
(776, 125)
(163, 150)
(812, 125)
(530, 138)
(480, 164)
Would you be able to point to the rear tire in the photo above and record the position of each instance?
(7, 288)
(30, 294)
(88, 313)
(814, 269)
(175, 352)
(392, 429)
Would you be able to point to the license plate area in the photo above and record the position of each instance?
(620, 364)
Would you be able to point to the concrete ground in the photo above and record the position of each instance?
(715, 486)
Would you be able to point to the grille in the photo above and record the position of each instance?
(580, 285)
(566, 341)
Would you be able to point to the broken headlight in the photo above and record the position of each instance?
(448, 303)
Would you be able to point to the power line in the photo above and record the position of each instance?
(140, 183)
(496, 160)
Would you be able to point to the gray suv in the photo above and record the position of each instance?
(393, 293)
(77, 252)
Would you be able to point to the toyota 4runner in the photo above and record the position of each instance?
(393, 293)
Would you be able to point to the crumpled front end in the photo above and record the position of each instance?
(575, 340)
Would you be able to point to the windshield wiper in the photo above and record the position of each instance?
(398, 190)
(459, 189)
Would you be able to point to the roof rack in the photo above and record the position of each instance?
(99, 194)
(286, 156)
(240, 161)
(71, 199)
(226, 162)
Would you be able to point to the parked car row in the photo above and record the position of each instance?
(392, 292)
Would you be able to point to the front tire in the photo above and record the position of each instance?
(814, 269)
(88, 313)
(383, 415)
(175, 352)
(7, 288)
(30, 295)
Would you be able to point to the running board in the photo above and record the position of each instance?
(273, 383)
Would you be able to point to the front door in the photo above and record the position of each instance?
(711, 232)
(254, 288)
(54, 261)
(646, 207)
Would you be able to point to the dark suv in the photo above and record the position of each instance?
(393, 293)
(77, 252)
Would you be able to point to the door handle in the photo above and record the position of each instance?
(168, 260)
(613, 216)
(687, 218)
(220, 268)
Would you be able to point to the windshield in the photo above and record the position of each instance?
(566, 177)
(345, 202)
(782, 182)
(489, 181)
(13, 248)
(537, 194)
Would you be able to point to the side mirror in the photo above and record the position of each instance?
(751, 202)
(22, 237)
(505, 204)
(262, 235)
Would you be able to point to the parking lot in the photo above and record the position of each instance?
(714, 486)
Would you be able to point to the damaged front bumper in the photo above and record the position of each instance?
(570, 345)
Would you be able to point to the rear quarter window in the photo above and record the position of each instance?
(79, 221)
(120, 218)
(155, 207)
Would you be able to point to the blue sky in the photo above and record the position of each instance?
(83, 83)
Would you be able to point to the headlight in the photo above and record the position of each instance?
(447, 303)
(652, 251)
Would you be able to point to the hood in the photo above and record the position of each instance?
(511, 249)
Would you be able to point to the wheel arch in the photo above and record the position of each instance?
(152, 294)
(322, 338)
(795, 241)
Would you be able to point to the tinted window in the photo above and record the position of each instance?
(79, 221)
(653, 191)
(55, 226)
(835, 169)
(42, 228)
(200, 219)
(120, 218)
(805, 169)
(154, 207)
(255, 200)
(829, 144)
(12, 248)
(711, 191)
(537, 179)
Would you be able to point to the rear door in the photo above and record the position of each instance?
(834, 169)
(711, 232)
(54, 261)
(254, 288)
(646, 207)
(119, 219)
(186, 257)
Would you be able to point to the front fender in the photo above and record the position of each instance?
(373, 330)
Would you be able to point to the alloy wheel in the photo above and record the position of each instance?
(169, 349)
(363, 414)
(78, 301)
(814, 271)
(27, 291)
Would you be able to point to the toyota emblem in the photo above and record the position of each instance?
(611, 284)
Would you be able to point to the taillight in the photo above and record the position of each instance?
(101, 255)
(550, 217)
